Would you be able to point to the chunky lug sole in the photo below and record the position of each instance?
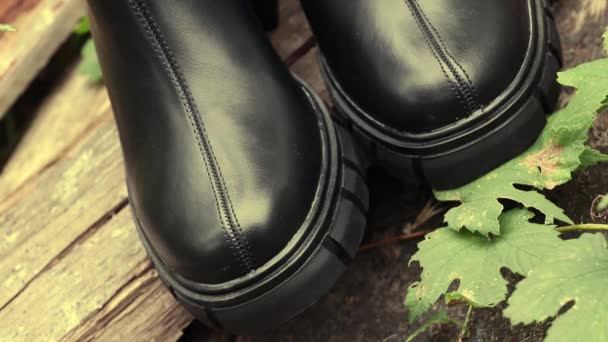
(460, 154)
(312, 261)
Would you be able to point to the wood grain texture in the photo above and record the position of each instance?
(71, 264)
(42, 25)
(103, 286)
(59, 125)
(62, 207)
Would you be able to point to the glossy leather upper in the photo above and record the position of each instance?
(417, 66)
(222, 147)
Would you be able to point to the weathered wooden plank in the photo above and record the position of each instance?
(74, 108)
(42, 25)
(105, 277)
(84, 272)
(64, 203)
(67, 269)
(143, 312)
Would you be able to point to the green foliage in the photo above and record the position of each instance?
(591, 157)
(577, 272)
(7, 28)
(83, 27)
(89, 66)
(447, 255)
(556, 271)
(559, 151)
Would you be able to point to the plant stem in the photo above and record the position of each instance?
(588, 226)
(465, 325)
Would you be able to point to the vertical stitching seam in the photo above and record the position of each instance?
(451, 56)
(233, 233)
(457, 91)
(441, 52)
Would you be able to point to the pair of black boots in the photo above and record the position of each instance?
(249, 197)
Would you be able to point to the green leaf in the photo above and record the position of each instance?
(476, 260)
(89, 65)
(559, 151)
(7, 28)
(591, 157)
(440, 318)
(577, 273)
(82, 27)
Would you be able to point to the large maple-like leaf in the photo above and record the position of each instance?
(475, 260)
(578, 272)
(559, 151)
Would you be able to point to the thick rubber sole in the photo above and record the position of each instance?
(266, 302)
(467, 156)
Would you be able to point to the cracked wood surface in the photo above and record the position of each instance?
(42, 25)
(59, 127)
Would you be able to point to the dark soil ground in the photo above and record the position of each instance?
(367, 303)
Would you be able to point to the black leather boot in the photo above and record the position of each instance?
(248, 198)
(445, 90)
